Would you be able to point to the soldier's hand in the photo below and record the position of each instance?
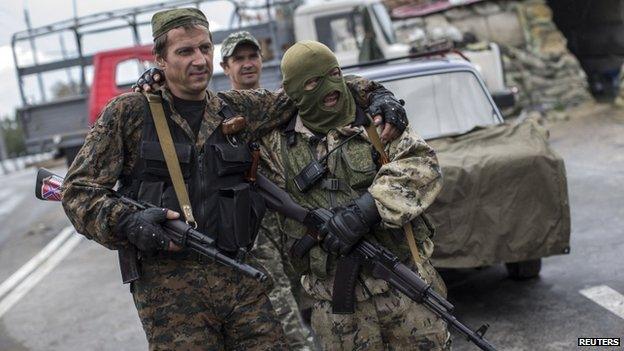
(144, 229)
(150, 81)
(389, 131)
(348, 224)
(388, 111)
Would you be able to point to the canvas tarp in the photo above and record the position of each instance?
(504, 197)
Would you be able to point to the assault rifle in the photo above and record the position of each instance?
(382, 263)
(48, 187)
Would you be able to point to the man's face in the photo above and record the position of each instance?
(243, 67)
(188, 62)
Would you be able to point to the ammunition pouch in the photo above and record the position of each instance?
(231, 159)
(240, 211)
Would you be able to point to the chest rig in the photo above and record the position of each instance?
(224, 205)
(350, 170)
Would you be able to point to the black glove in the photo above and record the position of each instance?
(349, 224)
(147, 77)
(144, 229)
(384, 103)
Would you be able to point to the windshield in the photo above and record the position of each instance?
(444, 104)
(384, 21)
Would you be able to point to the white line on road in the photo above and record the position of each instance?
(20, 282)
(606, 297)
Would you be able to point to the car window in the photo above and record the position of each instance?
(444, 104)
(340, 32)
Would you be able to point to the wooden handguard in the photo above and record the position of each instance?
(233, 125)
(252, 173)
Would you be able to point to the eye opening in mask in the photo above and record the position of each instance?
(312, 83)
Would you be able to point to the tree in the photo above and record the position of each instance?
(13, 136)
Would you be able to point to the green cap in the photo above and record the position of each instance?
(233, 40)
(166, 20)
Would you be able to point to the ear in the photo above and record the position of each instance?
(226, 68)
(160, 61)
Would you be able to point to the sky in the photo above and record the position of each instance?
(43, 12)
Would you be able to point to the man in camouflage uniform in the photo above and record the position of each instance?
(367, 200)
(183, 300)
(241, 61)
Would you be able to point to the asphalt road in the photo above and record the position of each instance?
(82, 305)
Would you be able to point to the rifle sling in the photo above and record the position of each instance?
(371, 130)
(171, 157)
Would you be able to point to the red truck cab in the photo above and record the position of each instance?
(108, 80)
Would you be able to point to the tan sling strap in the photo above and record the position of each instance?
(171, 157)
(371, 130)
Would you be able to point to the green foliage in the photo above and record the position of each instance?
(13, 137)
(64, 89)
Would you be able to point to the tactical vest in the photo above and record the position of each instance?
(224, 206)
(351, 171)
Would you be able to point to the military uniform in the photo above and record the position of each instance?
(184, 301)
(403, 188)
(330, 128)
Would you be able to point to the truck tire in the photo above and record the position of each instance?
(524, 269)
(70, 154)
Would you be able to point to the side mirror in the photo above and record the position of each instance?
(505, 99)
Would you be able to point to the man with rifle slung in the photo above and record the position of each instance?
(324, 159)
(184, 301)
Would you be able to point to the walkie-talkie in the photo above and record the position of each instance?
(316, 169)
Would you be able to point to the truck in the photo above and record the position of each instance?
(357, 31)
(504, 197)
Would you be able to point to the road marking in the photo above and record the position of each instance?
(607, 298)
(31, 273)
(11, 203)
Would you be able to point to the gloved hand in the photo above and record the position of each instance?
(385, 108)
(348, 224)
(149, 81)
(144, 230)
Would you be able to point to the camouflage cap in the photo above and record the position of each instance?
(164, 21)
(233, 40)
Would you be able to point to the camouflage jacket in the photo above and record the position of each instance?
(402, 189)
(111, 150)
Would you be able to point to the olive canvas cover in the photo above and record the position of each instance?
(504, 197)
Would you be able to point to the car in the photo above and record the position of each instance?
(505, 197)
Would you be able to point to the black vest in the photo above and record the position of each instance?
(224, 205)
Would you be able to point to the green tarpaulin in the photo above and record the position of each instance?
(504, 197)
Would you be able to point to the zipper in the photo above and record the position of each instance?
(202, 190)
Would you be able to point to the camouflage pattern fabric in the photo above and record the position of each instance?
(166, 20)
(385, 321)
(267, 252)
(194, 304)
(403, 189)
(112, 149)
(233, 40)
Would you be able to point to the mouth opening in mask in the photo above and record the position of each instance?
(331, 99)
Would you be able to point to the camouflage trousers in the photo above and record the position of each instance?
(282, 295)
(384, 321)
(187, 304)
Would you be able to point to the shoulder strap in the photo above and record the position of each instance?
(171, 157)
(371, 130)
